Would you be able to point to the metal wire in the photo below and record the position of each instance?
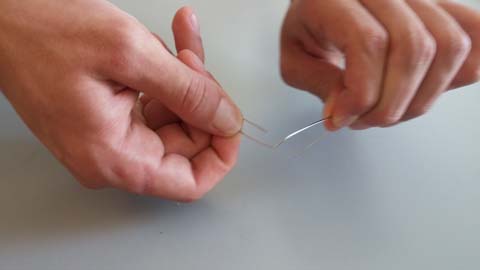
(284, 140)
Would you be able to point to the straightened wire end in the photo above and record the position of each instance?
(287, 138)
(258, 141)
(255, 125)
(306, 148)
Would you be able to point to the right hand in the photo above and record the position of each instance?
(74, 71)
(399, 55)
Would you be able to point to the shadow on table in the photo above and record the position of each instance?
(40, 200)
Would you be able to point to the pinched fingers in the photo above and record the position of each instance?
(453, 47)
(400, 56)
(411, 52)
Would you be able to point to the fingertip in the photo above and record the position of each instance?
(187, 14)
(340, 121)
(182, 15)
(228, 119)
(330, 126)
(358, 125)
(211, 166)
(185, 18)
(186, 29)
(227, 148)
(206, 105)
(337, 118)
(330, 104)
(328, 110)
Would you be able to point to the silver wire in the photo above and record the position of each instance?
(284, 140)
(256, 125)
(300, 153)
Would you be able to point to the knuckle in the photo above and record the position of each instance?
(104, 162)
(136, 177)
(420, 48)
(194, 95)
(388, 120)
(454, 44)
(363, 103)
(385, 119)
(289, 71)
(124, 44)
(84, 165)
(374, 39)
(416, 111)
(125, 30)
(126, 178)
(471, 73)
(110, 161)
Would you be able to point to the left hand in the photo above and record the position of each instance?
(75, 78)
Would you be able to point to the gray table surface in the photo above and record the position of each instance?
(407, 197)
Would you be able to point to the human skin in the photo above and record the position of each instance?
(74, 73)
(377, 63)
(75, 78)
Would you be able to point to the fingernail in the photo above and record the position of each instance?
(194, 22)
(343, 121)
(228, 119)
(329, 104)
(329, 109)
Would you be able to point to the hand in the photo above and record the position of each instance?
(74, 74)
(377, 63)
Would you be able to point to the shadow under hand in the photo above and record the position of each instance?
(40, 201)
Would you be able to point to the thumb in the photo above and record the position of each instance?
(195, 98)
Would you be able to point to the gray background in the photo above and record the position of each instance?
(401, 198)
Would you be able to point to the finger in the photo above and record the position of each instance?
(145, 99)
(174, 177)
(302, 70)
(213, 164)
(157, 115)
(453, 47)
(183, 139)
(469, 20)
(195, 98)
(162, 42)
(89, 183)
(185, 181)
(301, 66)
(209, 164)
(364, 42)
(412, 50)
(179, 138)
(191, 59)
(142, 166)
(186, 31)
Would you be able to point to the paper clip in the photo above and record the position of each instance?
(284, 140)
